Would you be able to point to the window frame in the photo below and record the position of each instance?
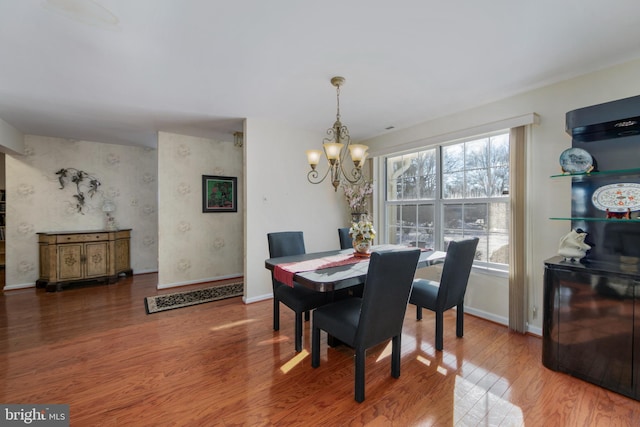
(439, 202)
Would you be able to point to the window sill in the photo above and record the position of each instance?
(490, 271)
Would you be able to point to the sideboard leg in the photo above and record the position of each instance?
(54, 286)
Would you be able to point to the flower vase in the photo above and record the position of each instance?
(361, 247)
(358, 216)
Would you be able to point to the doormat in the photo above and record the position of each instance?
(165, 302)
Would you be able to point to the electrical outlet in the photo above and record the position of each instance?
(534, 312)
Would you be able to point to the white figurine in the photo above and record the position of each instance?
(572, 246)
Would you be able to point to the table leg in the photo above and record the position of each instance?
(333, 341)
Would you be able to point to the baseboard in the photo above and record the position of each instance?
(487, 316)
(19, 286)
(144, 271)
(257, 298)
(534, 330)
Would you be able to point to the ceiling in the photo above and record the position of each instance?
(119, 71)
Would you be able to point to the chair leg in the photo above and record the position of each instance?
(459, 320)
(298, 332)
(315, 347)
(306, 316)
(439, 321)
(276, 314)
(418, 312)
(395, 356)
(360, 359)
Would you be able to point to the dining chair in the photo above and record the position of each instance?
(449, 292)
(346, 241)
(375, 318)
(297, 298)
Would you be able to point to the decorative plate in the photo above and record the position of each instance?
(617, 197)
(576, 160)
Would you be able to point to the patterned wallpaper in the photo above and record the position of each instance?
(196, 246)
(35, 202)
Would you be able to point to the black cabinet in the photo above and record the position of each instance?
(591, 320)
(592, 323)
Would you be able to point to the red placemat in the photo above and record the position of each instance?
(284, 272)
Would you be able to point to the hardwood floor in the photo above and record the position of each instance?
(221, 364)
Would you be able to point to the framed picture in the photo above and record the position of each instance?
(219, 193)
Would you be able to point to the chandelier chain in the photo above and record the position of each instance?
(338, 102)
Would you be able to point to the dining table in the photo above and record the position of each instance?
(331, 271)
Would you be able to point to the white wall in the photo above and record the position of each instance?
(546, 197)
(35, 202)
(11, 139)
(278, 197)
(194, 246)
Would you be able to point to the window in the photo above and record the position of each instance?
(450, 192)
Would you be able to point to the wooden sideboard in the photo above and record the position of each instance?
(68, 257)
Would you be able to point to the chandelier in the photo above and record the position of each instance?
(336, 145)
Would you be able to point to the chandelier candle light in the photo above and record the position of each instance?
(336, 145)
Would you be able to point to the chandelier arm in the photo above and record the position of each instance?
(356, 173)
(345, 138)
(313, 175)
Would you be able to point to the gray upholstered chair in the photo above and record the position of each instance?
(375, 318)
(297, 298)
(449, 292)
(346, 241)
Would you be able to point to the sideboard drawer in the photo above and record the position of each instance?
(79, 238)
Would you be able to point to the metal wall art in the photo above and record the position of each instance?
(84, 183)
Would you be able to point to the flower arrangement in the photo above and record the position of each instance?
(357, 196)
(362, 230)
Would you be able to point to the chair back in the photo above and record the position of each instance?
(455, 273)
(285, 243)
(346, 242)
(386, 294)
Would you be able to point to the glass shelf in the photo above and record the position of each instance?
(599, 173)
(596, 219)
